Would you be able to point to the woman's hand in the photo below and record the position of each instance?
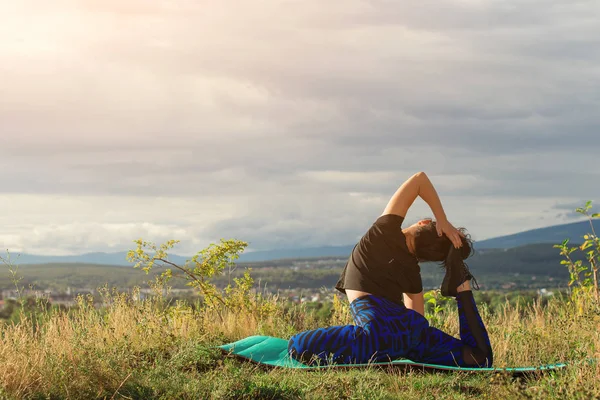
(446, 228)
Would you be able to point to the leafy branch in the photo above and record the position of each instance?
(592, 245)
(199, 270)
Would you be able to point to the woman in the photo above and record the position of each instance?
(382, 280)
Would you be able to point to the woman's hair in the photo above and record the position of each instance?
(429, 246)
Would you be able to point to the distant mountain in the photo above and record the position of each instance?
(119, 259)
(551, 234)
(311, 252)
(523, 267)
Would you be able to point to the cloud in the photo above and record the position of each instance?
(573, 205)
(290, 123)
(568, 209)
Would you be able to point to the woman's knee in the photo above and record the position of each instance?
(325, 345)
(297, 348)
(316, 346)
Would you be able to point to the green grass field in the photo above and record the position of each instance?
(146, 350)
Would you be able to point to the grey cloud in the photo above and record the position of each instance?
(568, 209)
(450, 15)
(568, 216)
(278, 168)
(497, 100)
(302, 220)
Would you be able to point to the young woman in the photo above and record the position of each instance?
(382, 280)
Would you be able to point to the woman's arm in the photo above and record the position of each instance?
(417, 185)
(415, 302)
(430, 196)
(404, 196)
(420, 185)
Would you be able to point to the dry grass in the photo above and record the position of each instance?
(144, 349)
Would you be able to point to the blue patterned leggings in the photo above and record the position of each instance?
(385, 331)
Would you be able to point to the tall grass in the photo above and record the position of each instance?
(150, 349)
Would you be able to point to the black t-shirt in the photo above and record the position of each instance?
(381, 264)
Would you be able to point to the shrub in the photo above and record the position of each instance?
(588, 286)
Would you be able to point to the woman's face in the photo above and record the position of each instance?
(418, 224)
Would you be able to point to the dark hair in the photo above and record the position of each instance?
(429, 246)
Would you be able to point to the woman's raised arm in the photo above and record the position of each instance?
(420, 185)
(404, 196)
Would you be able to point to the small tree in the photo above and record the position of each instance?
(592, 245)
(199, 270)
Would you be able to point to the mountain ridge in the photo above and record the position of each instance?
(553, 234)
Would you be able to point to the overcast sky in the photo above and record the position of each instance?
(290, 123)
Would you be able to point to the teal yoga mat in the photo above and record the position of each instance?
(272, 351)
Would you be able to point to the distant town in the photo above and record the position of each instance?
(69, 297)
(532, 268)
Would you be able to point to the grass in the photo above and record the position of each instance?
(150, 350)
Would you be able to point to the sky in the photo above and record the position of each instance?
(290, 123)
